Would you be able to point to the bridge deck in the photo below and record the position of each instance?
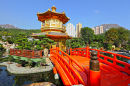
(109, 75)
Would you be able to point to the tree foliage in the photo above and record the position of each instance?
(111, 35)
(87, 34)
(44, 42)
(21, 40)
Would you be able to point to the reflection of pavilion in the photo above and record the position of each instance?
(53, 27)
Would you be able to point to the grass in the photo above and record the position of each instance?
(26, 59)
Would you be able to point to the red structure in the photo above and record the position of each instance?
(79, 68)
(26, 53)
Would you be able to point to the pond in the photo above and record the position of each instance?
(8, 79)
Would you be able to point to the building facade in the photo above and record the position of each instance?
(70, 30)
(98, 30)
(78, 29)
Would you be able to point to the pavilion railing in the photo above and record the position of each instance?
(117, 61)
(26, 53)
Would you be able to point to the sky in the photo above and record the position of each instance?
(91, 13)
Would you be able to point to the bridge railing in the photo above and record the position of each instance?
(109, 58)
(115, 60)
(26, 53)
(68, 66)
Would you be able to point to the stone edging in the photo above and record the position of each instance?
(12, 68)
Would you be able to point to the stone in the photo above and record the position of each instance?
(56, 76)
(46, 52)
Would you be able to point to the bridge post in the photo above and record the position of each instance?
(94, 72)
(87, 50)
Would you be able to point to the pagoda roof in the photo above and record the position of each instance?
(52, 14)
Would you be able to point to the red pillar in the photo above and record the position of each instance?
(23, 52)
(33, 54)
(70, 51)
(94, 72)
(16, 52)
(87, 50)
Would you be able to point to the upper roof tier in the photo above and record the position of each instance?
(52, 14)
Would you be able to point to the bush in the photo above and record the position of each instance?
(127, 47)
(5, 60)
(10, 58)
(109, 46)
(18, 61)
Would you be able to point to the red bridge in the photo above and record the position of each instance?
(102, 69)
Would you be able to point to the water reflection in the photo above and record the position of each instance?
(7, 79)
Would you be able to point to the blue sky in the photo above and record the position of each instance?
(90, 13)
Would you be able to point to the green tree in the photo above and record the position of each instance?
(44, 42)
(75, 42)
(87, 34)
(100, 39)
(123, 35)
(111, 35)
(21, 40)
(10, 40)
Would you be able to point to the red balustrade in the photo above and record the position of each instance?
(111, 61)
(26, 53)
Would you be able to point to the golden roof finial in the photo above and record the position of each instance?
(53, 8)
(63, 12)
(49, 9)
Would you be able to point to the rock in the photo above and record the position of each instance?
(128, 51)
(41, 84)
(56, 76)
(48, 60)
(46, 52)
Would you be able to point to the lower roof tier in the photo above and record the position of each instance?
(52, 35)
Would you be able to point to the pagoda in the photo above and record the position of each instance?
(52, 25)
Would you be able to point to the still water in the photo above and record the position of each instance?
(7, 79)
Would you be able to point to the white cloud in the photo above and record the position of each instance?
(96, 11)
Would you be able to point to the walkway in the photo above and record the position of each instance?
(109, 75)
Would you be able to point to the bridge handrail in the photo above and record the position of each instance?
(115, 61)
(110, 53)
(70, 65)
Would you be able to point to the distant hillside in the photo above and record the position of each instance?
(108, 26)
(7, 26)
(14, 32)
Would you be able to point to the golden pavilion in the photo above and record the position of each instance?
(52, 25)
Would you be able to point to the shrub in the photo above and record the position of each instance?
(127, 47)
(5, 60)
(109, 46)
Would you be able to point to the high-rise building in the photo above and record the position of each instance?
(70, 30)
(97, 30)
(78, 29)
(101, 29)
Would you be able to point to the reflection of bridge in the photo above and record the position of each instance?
(102, 69)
